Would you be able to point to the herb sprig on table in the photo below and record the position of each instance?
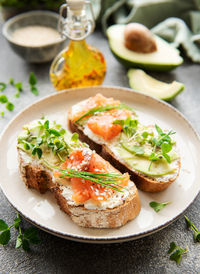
(19, 88)
(176, 252)
(196, 234)
(24, 237)
(32, 83)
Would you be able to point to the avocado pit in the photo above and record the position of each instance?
(138, 38)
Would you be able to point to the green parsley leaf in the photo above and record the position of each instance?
(32, 79)
(18, 86)
(34, 90)
(46, 124)
(62, 131)
(3, 99)
(10, 106)
(11, 81)
(54, 132)
(17, 94)
(3, 225)
(25, 245)
(128, 126)
(167, 157)
(177, 252)
(2, 86)
(188, 222)
(23, 239)
(5, 237)
(75, 137)
(166, 147)
(196, 234)
(159, 130)
(145, 134)
(164, 142)
(17, 221)
(173, 246)
(38, 151)
(19, 241)
(26, 145)
(158, 206)
(31, 234)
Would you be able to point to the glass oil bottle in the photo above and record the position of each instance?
(80, 64)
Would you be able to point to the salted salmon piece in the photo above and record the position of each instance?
(103, 126)
(83, 190)
(97, 101)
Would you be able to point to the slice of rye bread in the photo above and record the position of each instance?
(142, 181)
(37, 176)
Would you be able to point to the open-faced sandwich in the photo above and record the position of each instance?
(147, 153)
(87, 187)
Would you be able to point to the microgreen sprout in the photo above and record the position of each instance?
(176, 252)
(164, 142)
(32, 83)
(158, 206)
(19, 88)
(196, 234)
(129, 126)
(24, 237)
(2, 86)
(50, 136)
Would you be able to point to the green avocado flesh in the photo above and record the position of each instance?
(140, 162)
(32, 131)
(142, 82)
(164, 59)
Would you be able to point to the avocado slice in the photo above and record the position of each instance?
(142, 82)
(141, 163)
(164, 59)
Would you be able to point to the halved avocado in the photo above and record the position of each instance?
(142, 82)
(165, 58)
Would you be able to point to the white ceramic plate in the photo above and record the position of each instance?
(43, 211)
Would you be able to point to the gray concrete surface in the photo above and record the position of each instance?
(55, 255)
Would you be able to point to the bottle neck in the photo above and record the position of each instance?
(76, 26)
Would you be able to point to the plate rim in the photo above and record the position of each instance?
(101, 239)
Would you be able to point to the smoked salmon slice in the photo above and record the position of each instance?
(83, 190)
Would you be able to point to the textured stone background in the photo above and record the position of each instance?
(147, 255)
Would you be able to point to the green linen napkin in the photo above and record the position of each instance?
(182, 29)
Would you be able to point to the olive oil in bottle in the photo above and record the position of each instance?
(80, 64)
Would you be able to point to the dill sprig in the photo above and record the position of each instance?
(104, 108)
(110, 180)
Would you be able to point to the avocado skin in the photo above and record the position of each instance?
(172, 97)
(149, 67)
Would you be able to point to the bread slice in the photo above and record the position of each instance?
(144, 182)
(36, 175)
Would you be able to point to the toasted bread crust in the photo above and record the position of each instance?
(33, 175)
(109, 218)
(142, 182)
(38, 177)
